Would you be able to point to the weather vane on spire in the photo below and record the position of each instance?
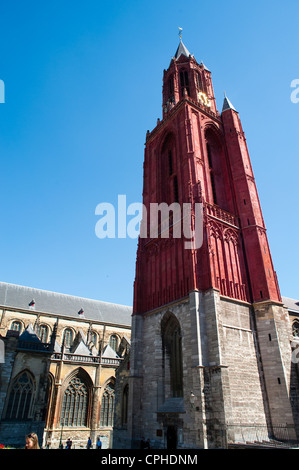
(180, 32)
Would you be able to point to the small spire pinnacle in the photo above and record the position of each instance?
(227, 104)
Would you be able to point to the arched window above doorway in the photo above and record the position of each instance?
(172, 352)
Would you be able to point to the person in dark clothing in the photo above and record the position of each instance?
(99, 443)
(69, 443)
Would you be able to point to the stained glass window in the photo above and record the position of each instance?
(107, 406)
(20, 398)
(75, 404)
(295, 329)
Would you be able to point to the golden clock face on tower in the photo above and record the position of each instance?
(202, 97)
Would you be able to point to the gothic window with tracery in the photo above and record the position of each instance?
(172, 352)
(107, 406)
(75, 404)
(295, 329)
(20, 398)
(199, 82)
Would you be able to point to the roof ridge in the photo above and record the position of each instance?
(61, 293)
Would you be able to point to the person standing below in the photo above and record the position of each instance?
(142, 443)
(69, 443)
(32, 441)
(89, 443)
(99, 443)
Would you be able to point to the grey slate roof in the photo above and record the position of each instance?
(227, 105)
(291, 304)
(109, 353)
(19, 297)
(182, 49)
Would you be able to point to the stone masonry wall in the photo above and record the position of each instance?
(241, 356)
(221, 368)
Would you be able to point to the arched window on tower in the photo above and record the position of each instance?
(211, 174)
(168, 183)
(20, 399)
(124, 414)
(171, 89)
(220, 183)
(184, 81)
(199, 82)
(175, 189)
(107, 406)
(172, 355)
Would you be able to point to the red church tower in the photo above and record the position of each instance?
(214, 299)
(196, 152)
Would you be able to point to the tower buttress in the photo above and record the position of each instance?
(262, 276)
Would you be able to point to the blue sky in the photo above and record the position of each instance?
(83, 83)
